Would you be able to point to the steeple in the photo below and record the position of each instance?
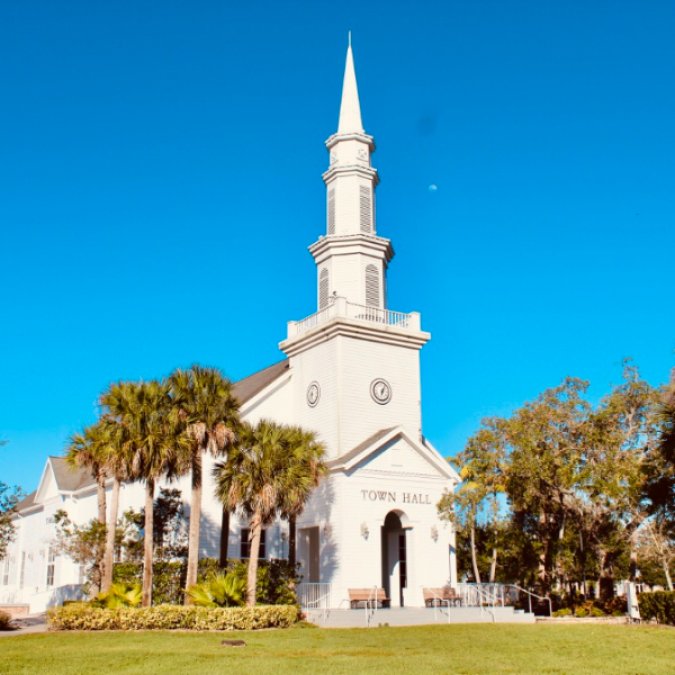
(350, 109)
(351, 258)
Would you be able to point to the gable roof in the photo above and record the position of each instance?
(69, 478)
(246, 389)
(27, 501)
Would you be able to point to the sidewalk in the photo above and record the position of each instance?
(36, 623)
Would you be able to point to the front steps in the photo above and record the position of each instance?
(415, 616)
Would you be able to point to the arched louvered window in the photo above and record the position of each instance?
(372, 286)
(331, 211)
(323, 288)
(365, 210)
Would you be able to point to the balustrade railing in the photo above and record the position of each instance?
(340, 307)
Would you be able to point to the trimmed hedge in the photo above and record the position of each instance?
(659, 605)
(82, 616)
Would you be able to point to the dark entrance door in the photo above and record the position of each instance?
(394, 555)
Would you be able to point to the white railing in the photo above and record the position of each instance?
(314, 596)
(497, 595)
(340, 307)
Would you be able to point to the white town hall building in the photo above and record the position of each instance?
(352, 374)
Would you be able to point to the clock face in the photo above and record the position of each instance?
(313, 394)
(380, 391)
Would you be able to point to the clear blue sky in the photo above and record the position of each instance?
(160, 180)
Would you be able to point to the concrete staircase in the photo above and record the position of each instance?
(415, 616)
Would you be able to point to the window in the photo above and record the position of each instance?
(365, 211)
(51, 559)
(323, 288)
(245, 546)
(22, 573)
(5, 572)
(372, 286)
(331, 211)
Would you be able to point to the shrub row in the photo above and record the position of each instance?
(659, 605)
(82, 616)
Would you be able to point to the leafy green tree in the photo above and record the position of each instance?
(9, 498)
(85, 545)
(169, 538)
(476, 502)
(545, 439)
(208, 414)
(619, 440)
(659, 486)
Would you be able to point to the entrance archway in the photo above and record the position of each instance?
(394, 556)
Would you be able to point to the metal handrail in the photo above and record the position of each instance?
(530, 594)
(492, 594)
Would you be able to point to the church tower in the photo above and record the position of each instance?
(351, 259)
(355, 363)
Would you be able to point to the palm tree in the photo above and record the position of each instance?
(118, 458)
(255, 478)
(209, 414)
(143, 410)
(305, 471)
(87, 451)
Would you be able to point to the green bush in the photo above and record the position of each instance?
(119, 595)
(277, 579)
(5, 621)
(83, 616)
(222, 590)
(659, 605)
(168, 579)
(565, 611)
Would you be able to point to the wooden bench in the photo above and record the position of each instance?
(436, 597)
(367, 597)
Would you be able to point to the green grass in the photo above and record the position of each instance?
(537, 649)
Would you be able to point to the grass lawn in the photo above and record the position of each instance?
(426, 649)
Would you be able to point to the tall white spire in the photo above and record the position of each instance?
(350, 109)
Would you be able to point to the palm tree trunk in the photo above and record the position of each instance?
(100, 494)
(251, 585)
(224, 536)
(474, 561)
(110, 537)
(101, 499)
(292, 530)
(193, 534)
(148, 542)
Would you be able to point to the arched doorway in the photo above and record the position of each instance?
(394, 557)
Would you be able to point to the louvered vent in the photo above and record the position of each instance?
(331, 211)
(372, 286)
(323, 288)
(365, 209)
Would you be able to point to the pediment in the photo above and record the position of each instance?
(392, 451)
